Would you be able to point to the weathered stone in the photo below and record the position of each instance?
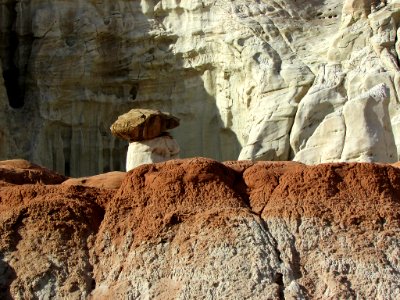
(110, 180)
(235, 74)
(156, 150)
(143, 124)
(369, 136)
(195, 228)
(19, 171)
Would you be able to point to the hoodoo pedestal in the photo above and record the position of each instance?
(145, 129)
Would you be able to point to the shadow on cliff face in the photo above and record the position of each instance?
(7, 275)
(169, 82)
(91, 62)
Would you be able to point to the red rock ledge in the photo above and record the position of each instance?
(196, 228)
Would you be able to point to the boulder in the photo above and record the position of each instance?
(143, 124)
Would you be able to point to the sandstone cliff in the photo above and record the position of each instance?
(272, 80)
(196, 228)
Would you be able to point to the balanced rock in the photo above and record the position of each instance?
(148, 141)
(143, 124)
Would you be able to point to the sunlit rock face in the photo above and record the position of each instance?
(249, 79)
(199, 229)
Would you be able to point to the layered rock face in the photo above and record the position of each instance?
(197, 228)
(273, 80)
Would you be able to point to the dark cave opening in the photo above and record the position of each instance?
(11, 73)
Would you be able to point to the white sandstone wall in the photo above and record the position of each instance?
(263, 79)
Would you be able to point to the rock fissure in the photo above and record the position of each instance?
(278, 276)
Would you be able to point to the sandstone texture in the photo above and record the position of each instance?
(159, 149)
(145, 129)
(199, 229)
(260, 80)
(143, 124)
(110, 180)
(19, 171)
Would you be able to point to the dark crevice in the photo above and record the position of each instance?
(174, 219)
(133, 91)
(93, 284)
(92, 257)
(278, 276)
(11, 72)
(397, 57)
(15, 60)
(279, 281)
(7, 276)
(67, 168)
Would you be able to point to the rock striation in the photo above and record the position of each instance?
(197, 228)
(260, 80)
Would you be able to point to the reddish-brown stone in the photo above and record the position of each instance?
(78, 226)
(155, 197)
(110, 180)
(19, 171)
(346, 193)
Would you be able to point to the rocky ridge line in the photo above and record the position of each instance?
(198, 228)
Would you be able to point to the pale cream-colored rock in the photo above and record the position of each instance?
(190, 267)
(345, 121)
(156, 150)
(235, 73)
(212, 64)
(326, 143)
(369, 135)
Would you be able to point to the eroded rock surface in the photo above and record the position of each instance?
(19, 171)
(110, 180)
(241, 76)
(197, 228)
(159, 149)
(143, 124)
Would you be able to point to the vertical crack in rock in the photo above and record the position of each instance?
(279, 280)
(297, 99)
(7, 272)
(92, 259)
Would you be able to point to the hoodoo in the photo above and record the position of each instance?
(145, 129)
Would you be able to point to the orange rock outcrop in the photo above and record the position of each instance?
(199, 228)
